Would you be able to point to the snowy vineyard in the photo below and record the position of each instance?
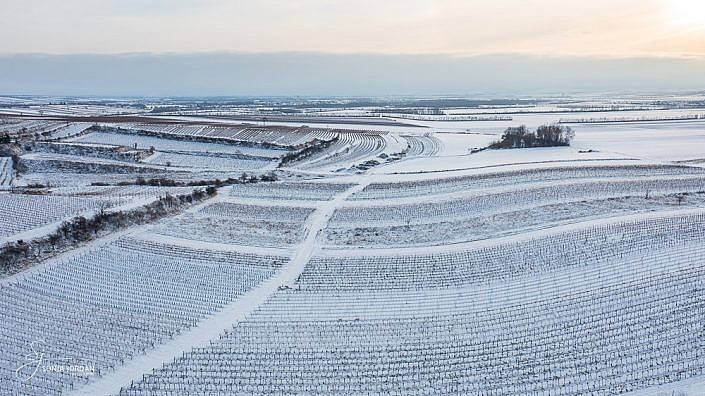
(609, 321)
(519, 198)
(26, 212)
(115, 301)
(491, 178)
(549, 273)
(6, 171)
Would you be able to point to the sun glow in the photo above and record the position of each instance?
(687, 13)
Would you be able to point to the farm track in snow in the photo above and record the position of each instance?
(230, 315)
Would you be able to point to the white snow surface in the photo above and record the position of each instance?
(328, 298)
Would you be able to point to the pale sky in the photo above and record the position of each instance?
(612, 28)
(356, 47)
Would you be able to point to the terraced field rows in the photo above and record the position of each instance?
(160, 144)
(69, 130)
(6, 171)
(558, 278)
(423, 145)
(204, 161)
(20, 212)
(116, 301)
(440, 185)
(515, 199)
(420, 231)
(610, 336)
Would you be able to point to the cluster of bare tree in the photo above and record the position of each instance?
(544, 136)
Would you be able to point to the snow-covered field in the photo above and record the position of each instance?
(6, 171)
(389, 262)
(159, 144)
(211, 162)
(24, 212)
(672, 141)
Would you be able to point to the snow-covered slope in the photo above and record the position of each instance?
(558, 271)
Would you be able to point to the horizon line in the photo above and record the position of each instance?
(542, 55)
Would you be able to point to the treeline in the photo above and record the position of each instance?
(15, 256)
(168, 182)
(453, 117)
(544, 136)
(602, 120)
(315, 146)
